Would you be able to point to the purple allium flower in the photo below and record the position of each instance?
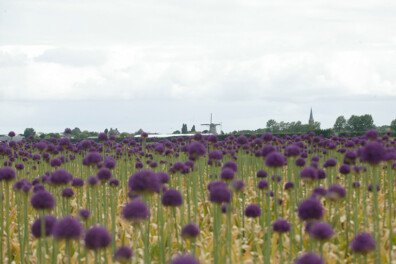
(104, 174)
(56, 162)
(196, 150)
(92, 180)
(11, 134)
(67, 228)
(60, 177)
(97, 238)
(321, 173)
(370, 187)
(114, 182)
(300, 162)
(310, 209)
(261, 174)
(219, 194)
(190, 231)
(67, 192)
(292, 151)
(216, 184)
(345, 169)
(172, 197)
(242, 140)
(373, 153)
(77, 182)
(185, 259)
(237, 185)
(216, 155)
(371, 134)
(281, 226)
(263, 184)
(84, 213)
(42, 200)
(139, 165)
(163, 177)
(252, 210)
(144, 181)
(356, 184)
(320, 191)
(49, 222)
(93, 158)
(330, 163)
(308, 174)
(275, 159)
(309, 258)
(144, 135)
(267, 149)
(38, 188)
(231, 165)
(289, 186)
(7, 174)
(321, 231)
(109, 162)
(123, 254)
(135, 211)
(227, 174)
(363, 243)
(335, 192)
(19, 166)
(102, 137)
(276, 178)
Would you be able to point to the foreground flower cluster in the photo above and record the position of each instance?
(299, 199)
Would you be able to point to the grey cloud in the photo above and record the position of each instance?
(73, 57)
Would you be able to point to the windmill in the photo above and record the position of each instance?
(212, 126)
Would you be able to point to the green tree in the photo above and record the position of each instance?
(106, 131)
(193, 128)
(29, 132)
(360, 123)
(272, 126)
(76, 131)
(393, 125)
(184, 129)
(340, 124)
(176, 132)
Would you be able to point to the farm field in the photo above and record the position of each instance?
(247, 199)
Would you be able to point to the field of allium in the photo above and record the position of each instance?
(298, 199)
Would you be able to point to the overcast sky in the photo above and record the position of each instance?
(131, 64)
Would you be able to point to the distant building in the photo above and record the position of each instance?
(212, 126)
(311, 120)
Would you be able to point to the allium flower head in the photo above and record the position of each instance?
(300, 162)
(227, 174)
(68, 228)
(335, 192)
(219, 194)
(289, 186)
(84, 213)
(309, 258)
(163, 177)
(310, 209)
(196, 150)
(231, 165)
(49, 222)
(330, 163)
(261, 174)
(184, 259)
(172, 197)
(144, 181)
(275, 159)
(252, 210)
(114, 182)
(263, 184)
(308, 174)
(371, 134)
(321, 231)
(190, 231)
(238, 185)
(123, 254)
(55, 162)
(363, 243)
(104, 174)
(7, 174)
(77, 182)
(93, 158)
(216, 155)
(42, 200)
(373, 153)
(60, 177)
(102, 137)
(67, 192)
(292, 151)
(281, 226)
(97, 237)
(136, 211)
(92, 180)
(345, 169)
(11, 134)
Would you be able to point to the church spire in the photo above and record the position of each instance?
(311, 120)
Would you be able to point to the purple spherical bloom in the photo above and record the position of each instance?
(308, 174)
(97, 238)
(356, 184)
(330, 163)
(109, 163)
(7, 174)
(289, 186)
(172, 197)
(216, 184)
(68, 228)
(345, 169)
(11, 134)
(92, 180)
(19, 166)
(309, 258)
(321, 173)
(261, 174)
(104, 174)
(300, 162)
(292, 151)
(275, 159)
(60, 177)
(135, 211)
(237, 185)
(227, 174)
(67, 192)
(335, 192)
(252, 210)
(320, 191)
(84, 213)
(263, 184)
(56, 162)
(219, 194)
(310, 209)
(114, 182)
(144, 181)
(216, 155)
(102, 137)
(373, 153)
(163, 177)
(370, 188)
(123, 254)
(49, 222)
(231, 165)
(196, 150)
(144, 135)
(242, 140)
(42, 200)
(185, 259)
(190, 231)
(93, 158)
(139, 165)
(281, 226)
(77, 182)
(371, 134)
(321, 231)
(363, 243)
(38, 188)
(267, 149)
